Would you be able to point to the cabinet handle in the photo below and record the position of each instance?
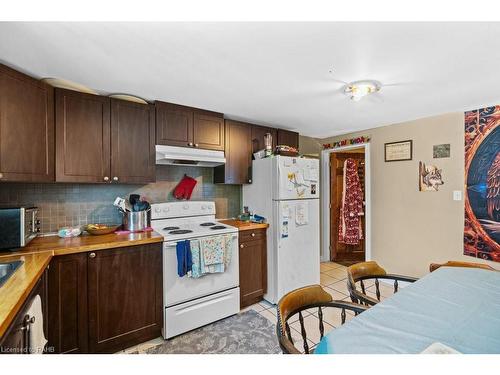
(249, 181)
(92, 255)
(242, 246)
(196, 145)
(115, 178)
(190, 144)
(106, 178)
(253, 234)
(1, 175)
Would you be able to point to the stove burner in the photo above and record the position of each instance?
(170, 228)
(180, 231)
(218, 227)
(207, 224)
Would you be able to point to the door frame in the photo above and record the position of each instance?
(325, 200)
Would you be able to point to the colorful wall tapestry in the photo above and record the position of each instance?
(482, 182)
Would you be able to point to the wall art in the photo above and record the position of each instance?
(429, 177)
(482, 183)
(398, 151)
(441, 151)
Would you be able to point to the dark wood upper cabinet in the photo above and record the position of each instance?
(102, 140)
(26, 128)
(82, 137)
(132, 142)
(174, 125)
(125, 297)
(288, 138)
(238, 150)
(68, 308)
(258, 133)
(208, 131)
(177, 125)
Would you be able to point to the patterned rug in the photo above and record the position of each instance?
(244, 333)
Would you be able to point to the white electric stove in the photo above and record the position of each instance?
(190, 303)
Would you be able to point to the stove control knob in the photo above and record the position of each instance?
(204, 207)
(166, 209)
(157, 210)
(185, 207)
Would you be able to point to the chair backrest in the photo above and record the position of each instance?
(358, 272)
(453, 263)
(305, 298)
(292, 303)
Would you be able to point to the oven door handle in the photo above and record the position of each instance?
(172, 244)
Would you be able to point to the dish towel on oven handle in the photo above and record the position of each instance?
(211, 255)
(184, 260)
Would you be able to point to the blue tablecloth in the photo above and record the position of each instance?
(458, 307)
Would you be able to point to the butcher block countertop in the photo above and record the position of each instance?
(244, 225)
(17, 288)
(37, 255)
(87, 242)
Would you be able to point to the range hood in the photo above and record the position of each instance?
(188, 156)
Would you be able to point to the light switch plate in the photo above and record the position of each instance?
(457, 195)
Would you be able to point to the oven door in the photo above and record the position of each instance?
(182, 289)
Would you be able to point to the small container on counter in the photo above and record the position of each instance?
(136, 221)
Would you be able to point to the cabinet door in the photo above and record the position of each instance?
(174, 125)
(253, 271)
(132, 142)
(208, 131)
(258, 133)
(288, 138)
(16, 340)
(26, 128)
(68, 328)
(125, 297)
(82, 137)
(238, 167)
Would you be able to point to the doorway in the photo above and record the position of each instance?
(342, 251)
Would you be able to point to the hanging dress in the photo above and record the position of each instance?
(351, 208)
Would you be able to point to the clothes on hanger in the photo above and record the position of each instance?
(351, 208)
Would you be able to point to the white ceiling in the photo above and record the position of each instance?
(273, 73)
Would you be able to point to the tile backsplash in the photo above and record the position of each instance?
(65, 204)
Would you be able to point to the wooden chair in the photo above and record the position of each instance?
(453, 263)
(360, 272)
(301, 299)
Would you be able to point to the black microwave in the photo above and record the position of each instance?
(18, 226)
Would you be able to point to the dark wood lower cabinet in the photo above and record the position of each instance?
(16, 340)
(105, 301)
(125, 297)
(68, 305)
(253, 266)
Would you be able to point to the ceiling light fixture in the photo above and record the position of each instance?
(359, 89)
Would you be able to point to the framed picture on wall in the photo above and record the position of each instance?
(398, 151)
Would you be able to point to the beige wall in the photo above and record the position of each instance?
(411, 229)
(309, 145)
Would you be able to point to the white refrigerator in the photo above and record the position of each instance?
(285, 190)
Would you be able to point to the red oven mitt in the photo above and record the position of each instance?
(184, 188)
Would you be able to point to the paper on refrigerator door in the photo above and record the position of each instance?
(311, 174)
(299, 178)
(286, 211)
(301, 214)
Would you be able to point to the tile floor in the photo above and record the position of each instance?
(332, 279)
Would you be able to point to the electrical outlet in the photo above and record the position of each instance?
(457, 195)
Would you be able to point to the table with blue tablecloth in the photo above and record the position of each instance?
(457, 307)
